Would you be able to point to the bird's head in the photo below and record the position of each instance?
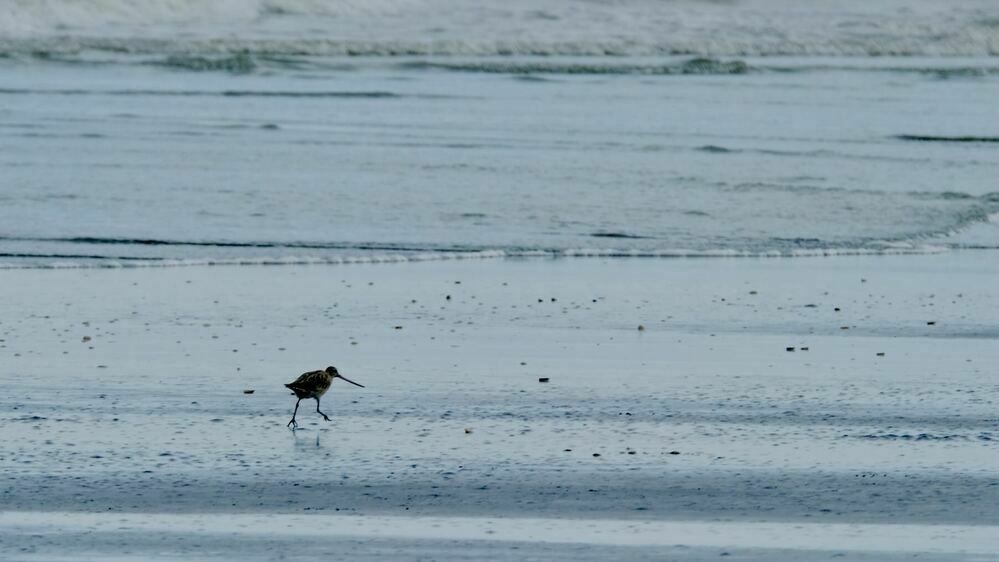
(331, 371)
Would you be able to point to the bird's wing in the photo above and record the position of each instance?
(305, 379)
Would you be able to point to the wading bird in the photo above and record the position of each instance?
(313, 385)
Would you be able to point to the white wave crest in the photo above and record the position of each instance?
(45, 16)
(527, 27)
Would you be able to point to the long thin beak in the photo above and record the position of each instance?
(351, 382)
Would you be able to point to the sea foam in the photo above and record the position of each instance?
(515, 27)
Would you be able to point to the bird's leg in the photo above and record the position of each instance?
(325, 417)
(293, 424)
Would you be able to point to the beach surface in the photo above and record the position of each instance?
(630, 280)
(757, 409)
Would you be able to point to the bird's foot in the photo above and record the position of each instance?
(292, 424)
(327, 418)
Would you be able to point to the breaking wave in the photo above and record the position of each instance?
(197, 54)
(209, 93)
(239, 63)
(387, 253)
(939, 138)
(692, 66)
(855, 28)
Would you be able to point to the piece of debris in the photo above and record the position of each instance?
(543, 379)
(789, 349)
(641, 327)
(249, 391)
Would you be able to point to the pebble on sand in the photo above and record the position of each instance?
(86, 338)
(249, 391)
(543, 379)
(641, 327)
(789, 349)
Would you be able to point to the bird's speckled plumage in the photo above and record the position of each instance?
(312, 384)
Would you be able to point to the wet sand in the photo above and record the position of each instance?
(748, 399)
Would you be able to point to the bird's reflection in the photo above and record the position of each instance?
(303, 441)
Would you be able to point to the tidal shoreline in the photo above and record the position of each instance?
(748, 398)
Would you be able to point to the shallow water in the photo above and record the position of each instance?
(237, 142)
